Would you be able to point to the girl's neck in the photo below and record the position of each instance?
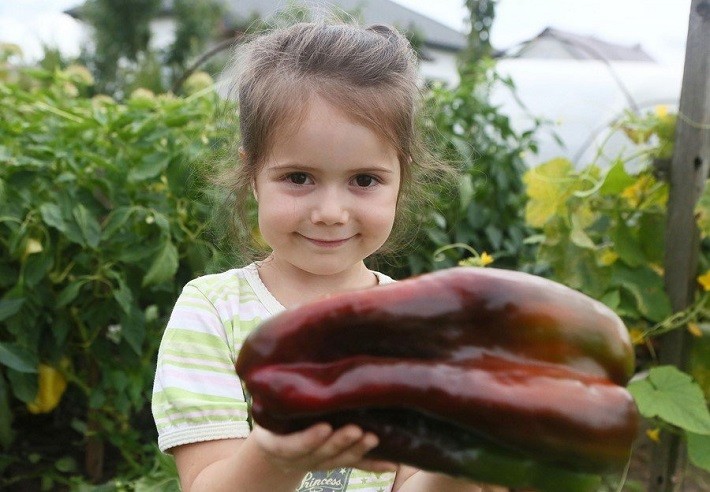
(292, 286)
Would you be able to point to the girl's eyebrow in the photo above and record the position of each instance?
(294, 166)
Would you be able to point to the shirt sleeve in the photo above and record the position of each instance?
(197, 395)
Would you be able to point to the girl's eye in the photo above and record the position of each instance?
(365, 180)
(297, 178)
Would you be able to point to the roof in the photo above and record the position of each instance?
(555, 43)
(435, 34)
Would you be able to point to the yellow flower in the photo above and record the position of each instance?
(704, 280)
(695, 330)
(608, 257)
(477, 261)
(661, 110)
(486, 259)
(634, 193)
(654, 434)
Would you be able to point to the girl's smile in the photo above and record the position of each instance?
(328, 243)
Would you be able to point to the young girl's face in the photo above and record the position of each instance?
(327, 193)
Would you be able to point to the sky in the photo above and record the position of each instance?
(660, 26)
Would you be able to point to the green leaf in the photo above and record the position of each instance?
(164, 265)
(52, 216)
(548, 191)
(89, 226)
(37, 267)
(123, 295)
(66, 464)
(616, 179)
(647, 289)
(10, 307)
(24, 385)
(652, 227)
(116, 219)
(578, 236)
(627, 246)
(149, 167)
(133, 329)
(672, 396)
(699, 450)
(494, 235)
(611, 299)
(163, 224)
(18, 358)
(465, 191)
(69, 293)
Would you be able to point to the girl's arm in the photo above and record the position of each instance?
(414, 480)
(268, 462)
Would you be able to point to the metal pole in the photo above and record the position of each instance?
(688, 173)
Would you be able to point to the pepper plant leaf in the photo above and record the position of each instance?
(616, 179)
(149, 167)
(547, 189)
(164, 265)
(89, 226)
(699, 450)
(17, 358)
(627, 246)
(10, 307)
(646, 287)
(672, 396)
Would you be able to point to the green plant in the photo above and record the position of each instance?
(102, 220)
(601, 231)
(485, 208)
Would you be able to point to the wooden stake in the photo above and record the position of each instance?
(688, 173)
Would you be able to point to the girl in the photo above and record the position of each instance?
(330, 154)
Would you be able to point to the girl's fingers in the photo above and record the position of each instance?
(346, 447)
(292, 447)
(321, 448)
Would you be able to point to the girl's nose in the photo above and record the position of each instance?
(330, 208)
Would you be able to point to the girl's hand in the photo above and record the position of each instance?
(321, 448)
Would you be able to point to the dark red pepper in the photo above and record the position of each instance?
(516, 363)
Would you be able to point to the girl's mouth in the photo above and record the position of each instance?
(327, 243)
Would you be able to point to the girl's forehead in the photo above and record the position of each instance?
(312, 110)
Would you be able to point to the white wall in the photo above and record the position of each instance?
(442, 67)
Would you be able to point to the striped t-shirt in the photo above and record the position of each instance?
(197, 395)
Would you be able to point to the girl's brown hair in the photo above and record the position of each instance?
(368, 73)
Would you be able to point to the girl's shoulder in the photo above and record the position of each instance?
(241, 285)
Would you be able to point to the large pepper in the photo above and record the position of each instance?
(490, 374)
